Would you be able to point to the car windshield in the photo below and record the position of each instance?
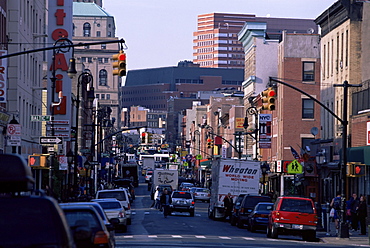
(77, 218)
(181, 195)
(109, 205)
(264, 207)
(297, 205)
(254, 200)
(119, 195)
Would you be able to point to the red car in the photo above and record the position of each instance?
(293, 216)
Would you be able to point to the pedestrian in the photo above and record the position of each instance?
(335, 205)
(157, 198)
(166, 201)
(353, 206)
(362, 214)
(228, 205)
(203, 180)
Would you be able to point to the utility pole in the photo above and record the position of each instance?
(343, 228)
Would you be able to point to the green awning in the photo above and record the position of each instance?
(205, 164)
(359, 154)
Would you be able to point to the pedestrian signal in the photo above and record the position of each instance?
(37, 160)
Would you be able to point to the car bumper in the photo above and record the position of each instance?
(202, 198)
(181, 208)
(294, 227)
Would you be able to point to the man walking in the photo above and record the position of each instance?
(228, 205)
(166, 201)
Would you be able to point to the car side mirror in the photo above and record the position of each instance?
(237, 204)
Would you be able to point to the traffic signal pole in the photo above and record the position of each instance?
(343, 228)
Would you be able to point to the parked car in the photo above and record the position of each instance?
(293, 216)
(236, 207)
(27, 219)
(120, 194)
(126, 183)
(247, 205)
(109, 223)
(258, 219)
(202, 194)
(87, 226)
(114, 209)
(185, 186)
(182, 201)
(148, 175)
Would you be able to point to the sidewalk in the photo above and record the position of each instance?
(355, 239)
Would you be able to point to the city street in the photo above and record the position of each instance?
(150, 229)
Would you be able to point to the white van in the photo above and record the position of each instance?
(121, 194)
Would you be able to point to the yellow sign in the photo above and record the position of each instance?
(295, 167)
(239, 123)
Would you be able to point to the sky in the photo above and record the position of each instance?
(159, 33)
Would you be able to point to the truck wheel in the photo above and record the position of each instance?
(124, 228)
(191, 213)
(129, 221)
(274, 232)
(309, 236)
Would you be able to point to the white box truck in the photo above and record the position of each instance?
(231, 176)
(164, 176)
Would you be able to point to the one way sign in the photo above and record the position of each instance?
(50, 140)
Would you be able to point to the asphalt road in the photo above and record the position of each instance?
(150, 229)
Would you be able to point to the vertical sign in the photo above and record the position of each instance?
(59, 26)
(3, 77)
(265, 130)
(368, 133)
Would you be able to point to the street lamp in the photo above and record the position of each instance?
(264, 168)
(70, 157)
(84, 78)
(252, 111)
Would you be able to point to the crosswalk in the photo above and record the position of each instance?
(167, 236)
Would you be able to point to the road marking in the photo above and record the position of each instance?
(200, 237)
(152, 236)
(177, 236)
(222, 237)
(128, 237)
(248, 238)
(146, 213)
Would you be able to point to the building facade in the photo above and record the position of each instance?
(216, 43)
(92, 24)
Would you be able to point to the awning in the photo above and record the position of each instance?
(359, 154)
(206, 163)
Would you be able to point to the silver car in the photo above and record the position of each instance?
(114, 209)
(202, 194)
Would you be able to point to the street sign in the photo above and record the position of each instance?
(40, 117)
(50, 140)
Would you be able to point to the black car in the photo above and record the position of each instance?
(246, 207)
(87, 226)
(126, 183)
(236, 207)
(28, 219)
(258, 219)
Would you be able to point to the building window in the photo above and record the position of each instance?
(97, 33)
(73, 29)
(87, 29)
(103, 46)
(100, 60)
(102, 96)
(308, 71)
(97, 96)
(106, 60)
(103, 77)
(308, 109)
(83, 59)
(89, 59)
(108, 96)
(109, 34)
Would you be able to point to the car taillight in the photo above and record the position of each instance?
(258, 215)
(195, 194)
(241, 210)
(129, 206)
(101, 237)
(192, 202)
(209, 195)
(121, 214)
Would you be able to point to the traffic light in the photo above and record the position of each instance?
(143, 137)
(150, 138)
(209, 143)
(119, 64)
(268, 99)
(37, 160)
